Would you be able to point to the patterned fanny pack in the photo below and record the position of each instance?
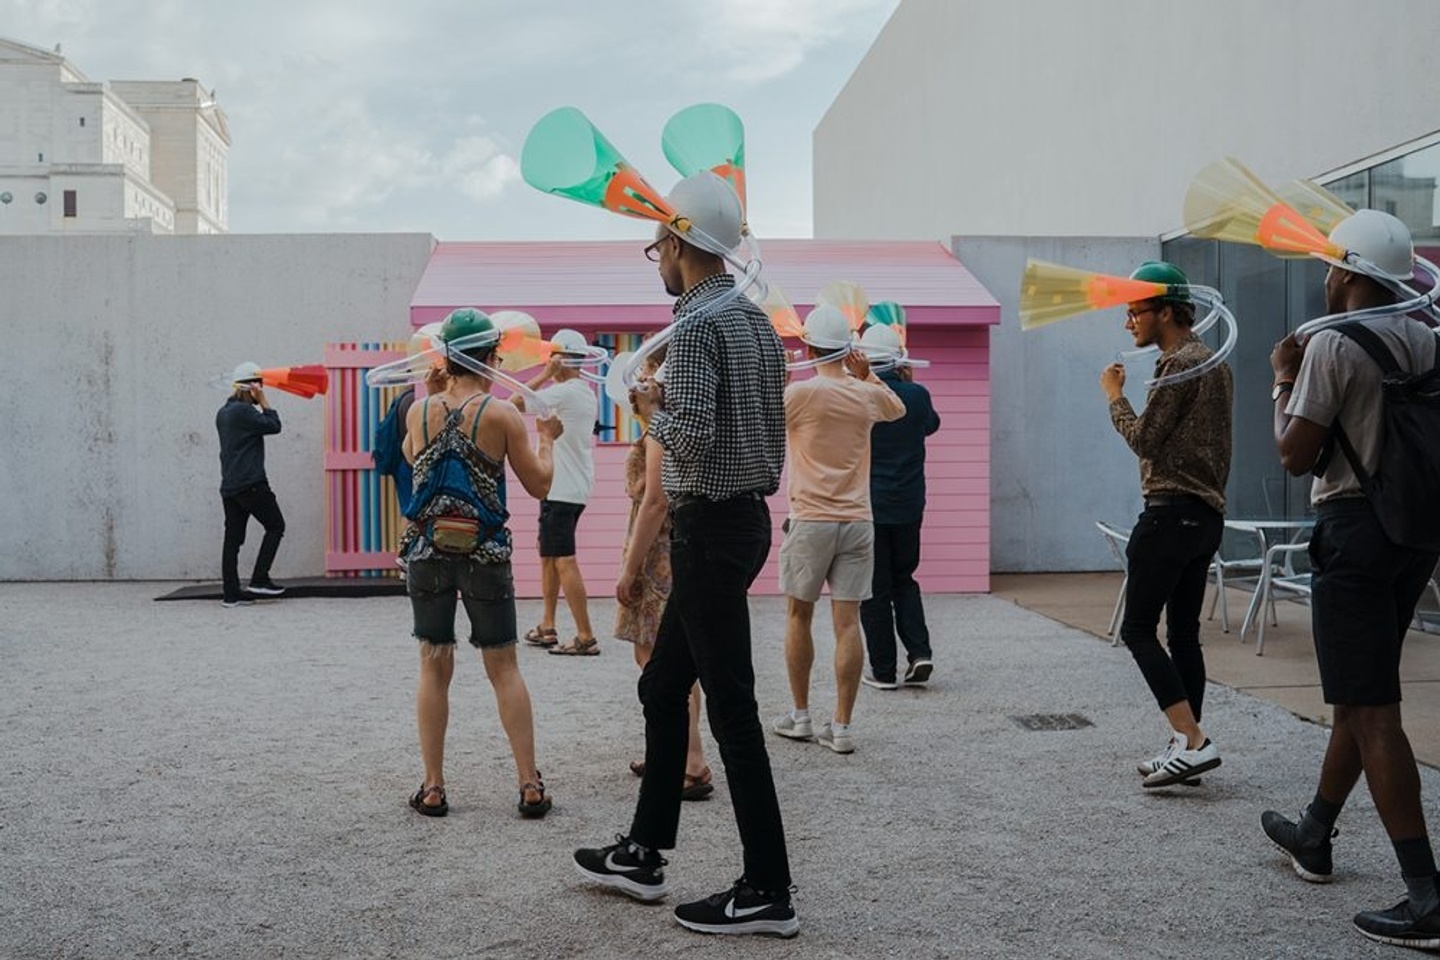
(453, 534)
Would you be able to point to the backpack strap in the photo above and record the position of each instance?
(478, 414)
(1371, 343)
(425, 423)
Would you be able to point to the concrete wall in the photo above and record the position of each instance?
(1056, 463)
(110, 464)
(1058, 118)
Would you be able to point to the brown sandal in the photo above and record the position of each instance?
(697, 787)
(430, 810)
(540, 807)
(542, 637)
(588, 647)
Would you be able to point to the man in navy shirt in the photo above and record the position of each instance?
(243, 423)
(897, 499)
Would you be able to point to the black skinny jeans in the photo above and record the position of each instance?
(716, 551)
(895, 606)
(1168, 560)
(258, 502)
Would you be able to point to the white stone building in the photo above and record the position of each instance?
(78, 157)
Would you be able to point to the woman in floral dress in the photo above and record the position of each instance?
(644, 583)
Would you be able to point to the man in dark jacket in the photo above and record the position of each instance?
(243, 422)
(897, 500)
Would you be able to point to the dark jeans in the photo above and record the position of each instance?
(258, 502)
(895, 606)
(1168, 560)
(716, 551)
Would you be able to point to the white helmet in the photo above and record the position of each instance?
(1379, 238)
(826, 328)
(880, 341)
(423, 338)
(246, 372)
(709, 202)
(569, 341)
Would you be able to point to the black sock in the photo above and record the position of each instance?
(1417, 860)
(1324, 812)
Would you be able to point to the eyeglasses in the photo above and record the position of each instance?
(652, 252)
(1133, 315)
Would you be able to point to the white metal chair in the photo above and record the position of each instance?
(1118, 539)
(1237, 563)
(1278, 576)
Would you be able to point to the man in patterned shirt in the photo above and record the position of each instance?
(1183, 442)
(720, 415)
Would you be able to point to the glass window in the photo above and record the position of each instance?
(1354, 189)
(1405, 187)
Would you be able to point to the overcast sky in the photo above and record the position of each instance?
(364, 115)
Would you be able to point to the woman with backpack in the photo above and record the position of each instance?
(457, 543)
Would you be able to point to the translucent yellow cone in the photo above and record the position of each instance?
(1228, 202)
(1316, 204)
(851, 300)
(1050, 292)
(783, 316)
(521, 345)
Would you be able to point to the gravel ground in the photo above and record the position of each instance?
(182, 780)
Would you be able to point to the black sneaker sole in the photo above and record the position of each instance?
(775, 928)
(1191, 774)
(1414, 943)
(644, 892)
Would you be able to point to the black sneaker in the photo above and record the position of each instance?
(741, 909)
(918, 673)
(626, 866)
(1309, 854)
(1399, 926)
(244, 600)
(266, 588)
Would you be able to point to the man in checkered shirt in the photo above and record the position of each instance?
(719, 412)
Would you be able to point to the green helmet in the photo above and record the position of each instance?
(465, 322)
(1158, 271)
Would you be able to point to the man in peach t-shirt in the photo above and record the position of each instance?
(829, 536)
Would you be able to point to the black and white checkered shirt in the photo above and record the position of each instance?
(723, 425)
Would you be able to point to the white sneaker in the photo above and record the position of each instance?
(1184, 763)
(1147, 767)
(839, 742)
(787, 726)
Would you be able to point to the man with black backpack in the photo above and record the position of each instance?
(1368, 387)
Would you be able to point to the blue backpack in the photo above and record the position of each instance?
(388, 448)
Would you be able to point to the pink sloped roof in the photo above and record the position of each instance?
(593, 282)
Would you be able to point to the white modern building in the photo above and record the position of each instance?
(78, 157)
(1070, 132)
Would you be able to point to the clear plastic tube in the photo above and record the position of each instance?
(414, 369)
(1211, 298)
(748, 279)
(1417, 302)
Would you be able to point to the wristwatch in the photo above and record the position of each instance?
(1280, 389)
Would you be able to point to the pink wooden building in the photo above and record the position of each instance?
(608, 291)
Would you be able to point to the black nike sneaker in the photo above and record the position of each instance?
(626, 866)
(741, 909)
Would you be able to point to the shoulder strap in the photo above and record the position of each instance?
(1370, 341)
(478, 414)
(425, 422)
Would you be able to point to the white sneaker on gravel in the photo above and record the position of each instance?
(787, 726)
(839, 742)
(1184, 764)
(1147, 767)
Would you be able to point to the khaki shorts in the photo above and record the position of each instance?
(817, 552)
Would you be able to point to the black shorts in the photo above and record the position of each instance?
(487, 589)
(1364, 592)
(558, 520)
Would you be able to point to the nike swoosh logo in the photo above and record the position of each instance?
(614, 867)
(736, 913)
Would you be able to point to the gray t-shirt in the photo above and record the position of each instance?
(1338, 377)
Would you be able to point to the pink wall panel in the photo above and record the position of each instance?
(955, 543)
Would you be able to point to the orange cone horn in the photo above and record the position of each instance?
(305, 381)
(1051, 292)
